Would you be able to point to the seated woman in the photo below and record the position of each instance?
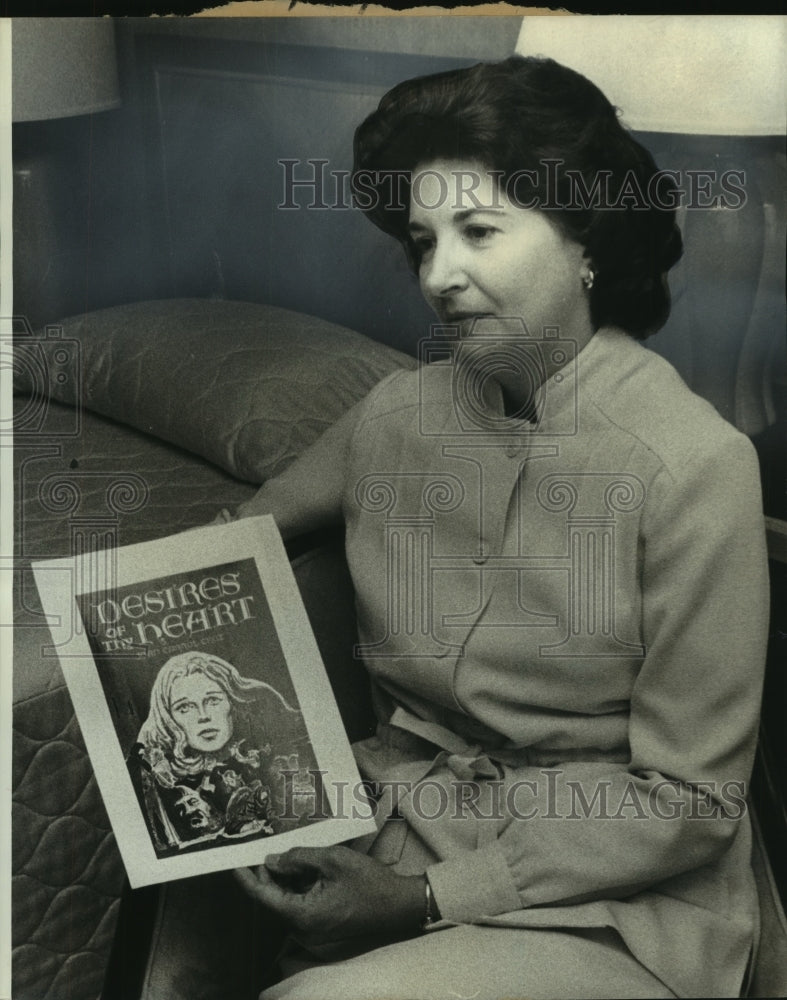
(558, 556)
(201, 765)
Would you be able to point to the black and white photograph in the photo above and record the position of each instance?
(397, 477)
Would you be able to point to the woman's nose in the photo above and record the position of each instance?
(442, 273)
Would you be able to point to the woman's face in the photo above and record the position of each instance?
(202, 709)
(483, 256)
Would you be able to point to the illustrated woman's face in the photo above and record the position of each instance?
(203, 711)
(481, 255)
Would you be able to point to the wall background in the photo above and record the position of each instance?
(176, 193)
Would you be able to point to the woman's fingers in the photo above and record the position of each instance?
(247, 879)
(261, 887)
(306, 863)
(283, 879)
(304, 911)
(329, 893)
(296, 861)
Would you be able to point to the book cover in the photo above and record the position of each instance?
(202, 699)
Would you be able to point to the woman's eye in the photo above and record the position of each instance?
(478, 233)
(423, 244)
(185, 707)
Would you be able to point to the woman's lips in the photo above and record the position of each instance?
(468, 323)
(464, 317)
(208, 734)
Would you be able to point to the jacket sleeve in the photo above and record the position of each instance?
(693, 715)
(308, 494)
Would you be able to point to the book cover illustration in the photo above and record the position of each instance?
(204, 704)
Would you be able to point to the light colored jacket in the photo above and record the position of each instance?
(566, 620)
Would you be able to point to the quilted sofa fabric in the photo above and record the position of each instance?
(67, 876)
(66, 872)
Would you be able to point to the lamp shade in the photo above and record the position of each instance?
(703, 75)
(63, 67)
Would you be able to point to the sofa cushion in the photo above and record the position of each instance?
(244, 385)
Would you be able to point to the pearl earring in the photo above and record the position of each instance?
(589, 278)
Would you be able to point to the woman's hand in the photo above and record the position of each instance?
(332, 893)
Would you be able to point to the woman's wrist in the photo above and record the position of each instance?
(419, 908)
(410, 906)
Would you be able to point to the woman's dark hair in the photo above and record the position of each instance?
(555, 143)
